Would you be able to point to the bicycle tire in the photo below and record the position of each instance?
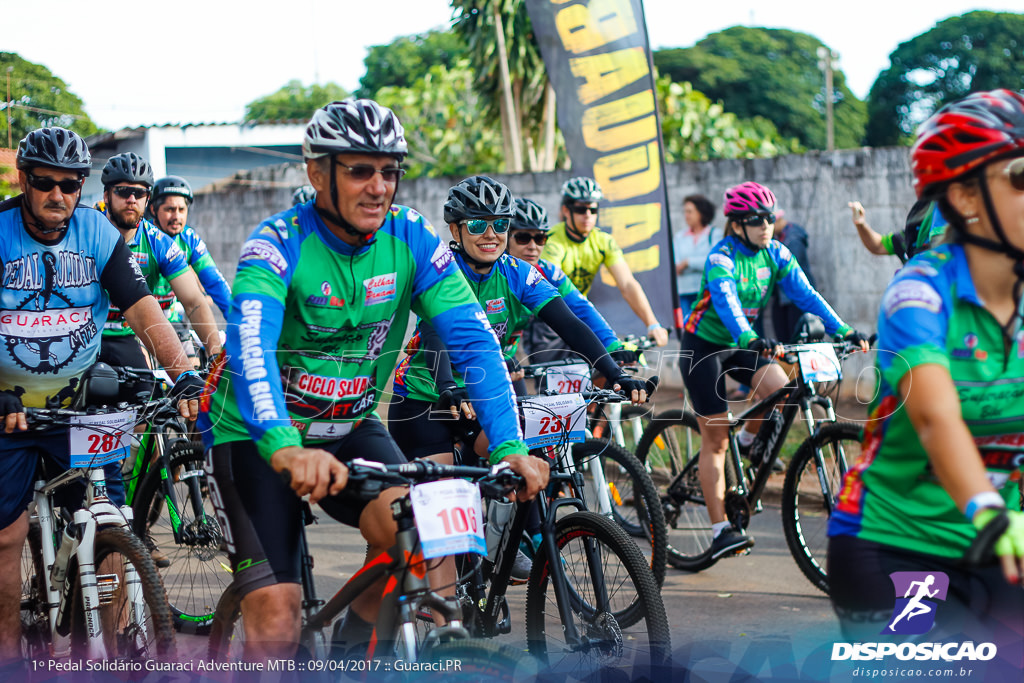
(633, 634)
(636, 506)
(35, 613)
(129, 640)
(806, 505)
(198, 573)
(633, 419)
(669, 450)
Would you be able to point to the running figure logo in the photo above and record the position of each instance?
(916, 593)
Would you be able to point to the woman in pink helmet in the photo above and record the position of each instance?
(740, 274)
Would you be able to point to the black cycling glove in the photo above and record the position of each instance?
(855, 337)
(629, 384)
(453, 398)
(10, 403)
(188, 386)
(762, 345)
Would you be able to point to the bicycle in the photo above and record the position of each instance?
(671, 444)
(405, 564)
(97, 593)
(616, 484)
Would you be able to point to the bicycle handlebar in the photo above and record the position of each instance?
(160, 410)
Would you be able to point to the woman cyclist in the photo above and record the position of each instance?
(947, 423)
(740, 274)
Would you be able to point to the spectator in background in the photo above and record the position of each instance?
(784, 312)
(691, 248)
(924, 229)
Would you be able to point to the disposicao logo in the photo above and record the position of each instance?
(916, 596)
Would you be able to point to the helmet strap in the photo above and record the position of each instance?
(339, 220)
(460, 251)
(34, 221)
(745, 240)
(570, 229)
(1003, 246)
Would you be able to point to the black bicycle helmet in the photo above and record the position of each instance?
(530, 216)
(127, 167)
(478, 197)
(303, 194)
(56, 148)
(356, 127)
(172, 186)
(581, 189)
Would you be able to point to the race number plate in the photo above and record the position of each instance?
(819, 363)
(449, 518)
(568, 379)
(96, 440)
(553, 419)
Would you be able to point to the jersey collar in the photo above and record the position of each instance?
(307, 214)
(471, 274)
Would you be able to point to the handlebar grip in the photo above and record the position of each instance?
(982, 549)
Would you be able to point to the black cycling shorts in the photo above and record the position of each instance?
(260, 514)
(125, 351)
(419, 429)
(704, 366)
(979, 605)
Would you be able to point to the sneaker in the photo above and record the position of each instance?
(730, 542)
(160, 559)
(522, 566)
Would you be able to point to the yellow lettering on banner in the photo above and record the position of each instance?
(585, 27)
(605, 73)
(639, 261)
(632, 173)
(632, 224)
(603, 127)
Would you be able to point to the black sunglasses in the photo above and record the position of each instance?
(756, 220)
(581, 209)
(363, 172)
(44, 184)
(124, 192)
(524, 238)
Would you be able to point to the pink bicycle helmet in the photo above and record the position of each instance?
(750, 197)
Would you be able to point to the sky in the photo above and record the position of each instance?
(195, 61)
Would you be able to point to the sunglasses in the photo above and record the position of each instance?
(524, 238)
(1014, 172)
(478, 226)
(756, 220)
(363, 172)
(579, 209)
(44, 184)
(124, 192)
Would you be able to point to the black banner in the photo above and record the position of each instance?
(599, 62)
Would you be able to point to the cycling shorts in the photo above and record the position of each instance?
(20, 458)
(125, 351)
(704, 366)
(420, 429)
(979, 605)
(261, 515)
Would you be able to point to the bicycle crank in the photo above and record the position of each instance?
(737, 510)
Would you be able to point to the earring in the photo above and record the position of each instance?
(971, 220)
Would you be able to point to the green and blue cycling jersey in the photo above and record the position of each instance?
(198, 257)
(918, 236)
(736, 286)
(316, 325)
(159, 258)
(511, 293)
(579, 304)
(931, 314)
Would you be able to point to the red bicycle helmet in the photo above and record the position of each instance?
(750, 197)
(965, 135)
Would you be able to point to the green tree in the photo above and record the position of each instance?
(771, 73)
(294, 101)
(38, 99)
(407, 59)
(968, 53)
(696, 129)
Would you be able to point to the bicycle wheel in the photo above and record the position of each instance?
(623, 626)
(478, 660)
(634, 501)
(669, 449)
(632, 419)
(35, 615)
(128, 634)
(810, 491)
(199, 569)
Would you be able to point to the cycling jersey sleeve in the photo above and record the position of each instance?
(578, 304)
(612, 253)
(436, 357)
(912, 326)
(210, 277)
(528, 284)
(794, 283)
(122, 278)
(169, 255)
(265, 268)
(579, 337)
(720, 273)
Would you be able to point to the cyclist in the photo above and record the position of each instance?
(740, 274)
(310, 349)
(127, 182)
(63, 263)
(925, 228)
(580, 248)
(947, 421)
(168, 207)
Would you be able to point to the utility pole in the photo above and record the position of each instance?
(9, 70)
(828, 60)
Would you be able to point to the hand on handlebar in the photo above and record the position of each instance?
(767, 347)
(533, 470)
(187, 389)
(312, 470)
(13, 412)
(456, 400)
(1009, 546)
(636, 389)
(859, 339)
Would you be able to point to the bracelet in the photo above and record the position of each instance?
(654, 326)
(985, 499)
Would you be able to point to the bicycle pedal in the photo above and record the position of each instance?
(107, 585)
